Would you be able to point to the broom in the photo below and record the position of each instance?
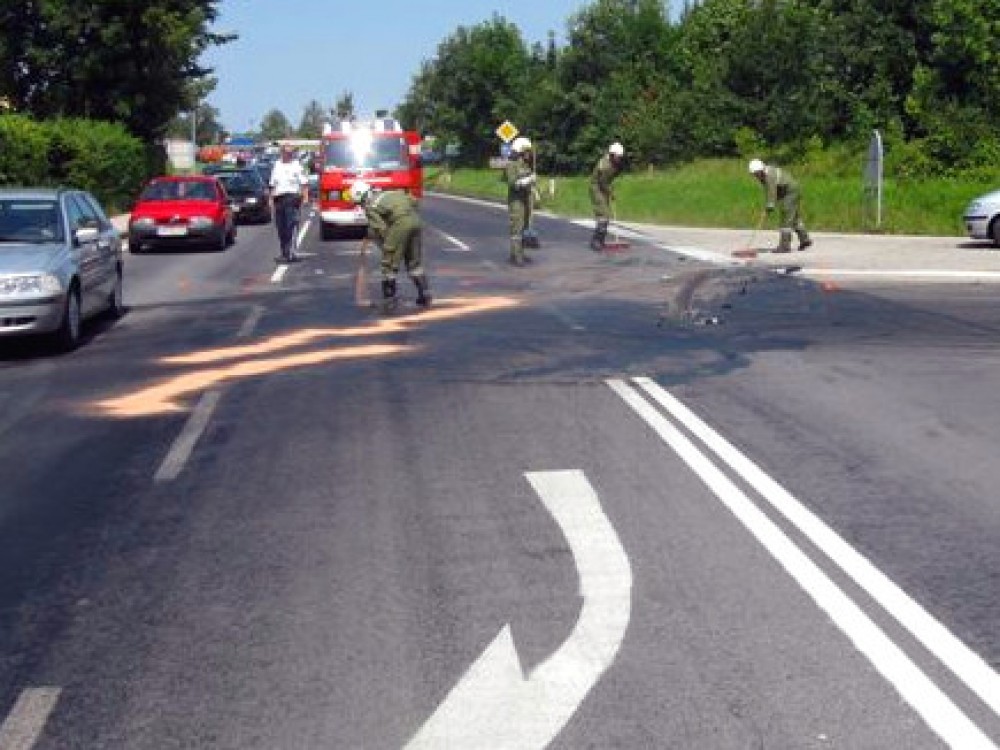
(361, 296)
(749, 251)
(617, 243)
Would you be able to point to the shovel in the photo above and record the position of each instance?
(361, 296)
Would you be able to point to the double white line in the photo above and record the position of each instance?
(654, 404)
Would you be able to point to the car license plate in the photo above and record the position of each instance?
(172, 231)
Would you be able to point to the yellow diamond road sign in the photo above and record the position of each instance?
(507, 131)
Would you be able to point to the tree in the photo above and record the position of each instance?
(274, 126)
(208, 128)
(131, 62)
(313, 119)
(477, 80)
(343, 110)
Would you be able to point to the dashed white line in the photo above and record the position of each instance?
(459, 245)
(279, 274)
(26, 721)
(251, 322)
(927, 699)
(184, 445)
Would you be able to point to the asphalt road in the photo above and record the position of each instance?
(630, 500)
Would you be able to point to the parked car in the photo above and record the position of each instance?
(60, 262)
(181, 212)
(982, 218)
(248, 195)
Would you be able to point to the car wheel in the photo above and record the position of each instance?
(327, 232)
(134, 246)
(231, 236)
(995, 231)
(116, 301)
(68, 334)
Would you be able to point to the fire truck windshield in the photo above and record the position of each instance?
(380, 152)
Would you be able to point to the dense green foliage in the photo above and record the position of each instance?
(100, 157)
(129, 61)
(775, 78)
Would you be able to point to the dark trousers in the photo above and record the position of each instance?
(286, 219)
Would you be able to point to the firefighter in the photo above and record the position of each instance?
(608, 167)
(521, 179)
(394, 224)
(779, 185)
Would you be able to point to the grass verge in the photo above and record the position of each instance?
(720, 193)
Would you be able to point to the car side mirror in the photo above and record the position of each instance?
(86, 235)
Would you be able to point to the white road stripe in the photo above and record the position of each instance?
(279, 273)
(929, 701)
(459, 245)
(24, 724)
(969, 667)
(184, 445)
(247, 329)
(915, 273)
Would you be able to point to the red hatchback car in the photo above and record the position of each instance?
(182, 211)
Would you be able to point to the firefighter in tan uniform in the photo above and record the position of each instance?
(520, 179)
(393, 223)
(781, 187)
(605, 172)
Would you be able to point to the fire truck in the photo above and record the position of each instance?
(379, 152)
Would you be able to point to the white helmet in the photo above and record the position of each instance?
(520, 145)
(360, 191)
(756, 165)
(616, 149)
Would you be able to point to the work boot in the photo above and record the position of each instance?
(389, 299)
(600, 236)
(804, 240)
(423, 290)
(784, 241)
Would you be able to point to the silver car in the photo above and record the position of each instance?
(982, 218)
(60, 262)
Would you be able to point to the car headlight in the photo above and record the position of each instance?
(201, 222)
(30, 286)
(251, 201)
(143, 222)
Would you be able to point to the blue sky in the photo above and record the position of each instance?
(293, 51)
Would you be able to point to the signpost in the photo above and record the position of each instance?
(873, 179)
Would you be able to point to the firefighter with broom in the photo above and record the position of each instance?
(394, 224)
(781, 187)
(607, 169)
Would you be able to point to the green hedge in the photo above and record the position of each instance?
(97, 156)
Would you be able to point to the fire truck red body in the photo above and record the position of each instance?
(381, 153)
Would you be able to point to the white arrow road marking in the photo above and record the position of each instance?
(458, 244)
(496, 705)
(938, 711)
(24, 725)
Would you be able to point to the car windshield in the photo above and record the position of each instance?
(378, 152)
(35, 221)
(239, 182)
(178, 190)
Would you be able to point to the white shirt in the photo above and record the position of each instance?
(288, 178)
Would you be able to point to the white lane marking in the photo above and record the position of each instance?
(250, 324)
(495, 704)
(24, 724)
(279, 273)
(184, 445)
(302, 233)
(968, 666)
(618, 229)
(929, 701)
(459, 245)
(915, 273)
(698, 253)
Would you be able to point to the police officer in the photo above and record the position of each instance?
(393, 222)
(608, 167)
(521, 179)
(289, 190)
(779, 185)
